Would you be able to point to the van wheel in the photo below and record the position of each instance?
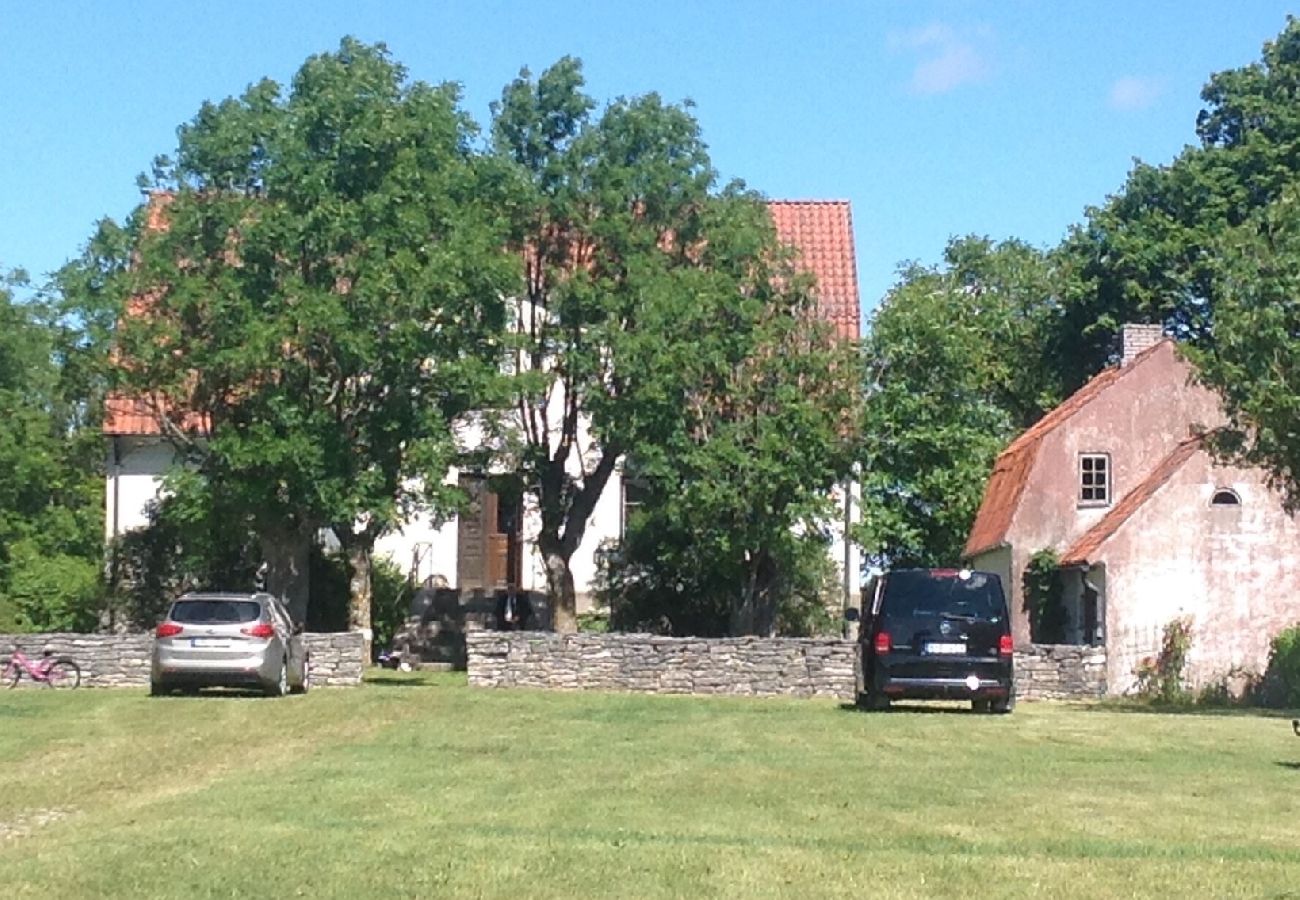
(873, 700)
(981, 706)
(1005, 704)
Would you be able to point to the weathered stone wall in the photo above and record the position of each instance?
(801, 667)
(798, 667)
(337, 658)
(122, 660)
(1060, 672)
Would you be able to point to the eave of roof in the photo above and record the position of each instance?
(1084, 550)
(1012, 469)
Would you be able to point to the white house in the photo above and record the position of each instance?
(494, 543)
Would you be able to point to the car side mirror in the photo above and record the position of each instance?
(299, 628)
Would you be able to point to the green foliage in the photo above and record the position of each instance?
(390, 600)
(325, 296)
(593, 622)
(51, 483)
(1161, 678)
(681, 578)
(54, 592)
(955, 365)
(649, 295)
(195, 540)
(1207, 245)
(1281, 682)
(1044, 597)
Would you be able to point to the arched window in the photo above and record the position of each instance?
(1225, 497)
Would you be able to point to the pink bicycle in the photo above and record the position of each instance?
(50, 670)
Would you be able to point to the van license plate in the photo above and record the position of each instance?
(945, 648)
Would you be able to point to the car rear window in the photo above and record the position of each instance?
(215, 612)
(923, 593)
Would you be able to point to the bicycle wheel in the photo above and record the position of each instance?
(12, 674)
(63, 674)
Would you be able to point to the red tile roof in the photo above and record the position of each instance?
(821, 231)
(1085, 548)
(1012, 469)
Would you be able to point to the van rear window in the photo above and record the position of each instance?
(215, 612)
(922, 593)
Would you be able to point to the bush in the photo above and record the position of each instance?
(1044, 598)
(53, 592)
(1281, 683)
(1161, 678)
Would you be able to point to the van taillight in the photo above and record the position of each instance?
(260, 630)
(1004, 645)
(167, 629)
(883, 643)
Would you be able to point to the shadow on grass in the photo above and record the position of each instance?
(397, 681)
(1185, 709)
(917, 708)
(1294, 766)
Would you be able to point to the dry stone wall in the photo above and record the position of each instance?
(122, 660)
(761, 667)
(1060, 672)
(764, 667)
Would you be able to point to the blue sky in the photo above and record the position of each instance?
(933, 118)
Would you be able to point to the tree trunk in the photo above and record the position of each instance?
(360, 591)
(754, 612)
(287, 552)
(559, 589)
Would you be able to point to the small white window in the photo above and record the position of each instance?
(1094, 479)
(1225, 497)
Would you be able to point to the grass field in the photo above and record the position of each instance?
(421, 787)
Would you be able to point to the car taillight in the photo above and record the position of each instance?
(883, 643)
(260, 630)
(1004, 645)
(167, 629)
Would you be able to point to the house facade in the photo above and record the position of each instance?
(1146, 524)
(493, 543)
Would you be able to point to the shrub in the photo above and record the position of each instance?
(1281, 684)
(1044, 600)
(1160, 678)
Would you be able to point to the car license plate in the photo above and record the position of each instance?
(209, 642)
(945, 648)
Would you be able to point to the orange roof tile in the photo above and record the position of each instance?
(1085, 548)
(1013, 466)
(821, 231)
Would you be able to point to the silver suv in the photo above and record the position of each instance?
(229, 640)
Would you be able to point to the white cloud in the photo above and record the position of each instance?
(1132, 93)
(948, 58)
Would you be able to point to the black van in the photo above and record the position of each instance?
(931, 634)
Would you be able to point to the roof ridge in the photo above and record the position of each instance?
(1091, 540)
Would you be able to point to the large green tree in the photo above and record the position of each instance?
(958, 359)
(1206, 245)
(1151, 251)
(317, 298)
(51, 487)
(734, 524)
(622, 227)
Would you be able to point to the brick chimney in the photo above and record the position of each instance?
(1134, 338)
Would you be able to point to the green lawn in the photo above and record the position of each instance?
(411, 787)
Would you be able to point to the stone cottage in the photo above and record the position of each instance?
(1147, 525)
